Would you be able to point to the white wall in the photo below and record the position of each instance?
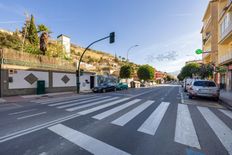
(84, 86)
(19, 82)
(57, 80)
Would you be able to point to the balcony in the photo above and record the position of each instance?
(206, 38)
(226, 57)
(226, 36)
(206, 24)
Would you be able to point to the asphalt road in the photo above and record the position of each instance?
(147, 121)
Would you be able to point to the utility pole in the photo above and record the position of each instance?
(127, 53)
(111, 40)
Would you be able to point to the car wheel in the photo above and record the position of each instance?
(115, 89)
(216, 98)
(190, 96)
(103, 90)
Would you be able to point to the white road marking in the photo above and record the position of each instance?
(71, 101)
(91, 104)
(36, 128)
(114, 110)
(88, 143)
(28, 116)
(102, 106)
(226, 112)
(54, 99)
(152, 123)
(82, 102)
(46, 101)
(223, 132)
(185, 132)
(143, 93)
(20, 112)
(121, 121)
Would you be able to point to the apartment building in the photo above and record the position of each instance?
(225, 41)
(210, 34)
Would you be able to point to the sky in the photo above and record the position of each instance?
(167, 31)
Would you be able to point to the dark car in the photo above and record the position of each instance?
(122, 86)
(105, 87)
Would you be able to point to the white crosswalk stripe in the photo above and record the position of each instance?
(152, 123)
(91, 104)
(88, 111)
(78, 103)
(114, 110)
(185, 132)
(67, 102)
(121, 121)
(47, 101)
(227, 113)
(90, 144)
(223, 132)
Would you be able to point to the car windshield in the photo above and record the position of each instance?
(103, 84)
(204, 84)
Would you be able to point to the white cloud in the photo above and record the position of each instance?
(185, 47)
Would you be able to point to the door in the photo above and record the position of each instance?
(92, 82)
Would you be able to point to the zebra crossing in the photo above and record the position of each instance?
(185, 131)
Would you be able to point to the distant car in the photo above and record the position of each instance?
(105, 87)
(122, 86)
(204, 88)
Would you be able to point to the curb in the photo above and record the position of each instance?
(227, 105)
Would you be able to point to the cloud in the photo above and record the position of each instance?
(181, 50)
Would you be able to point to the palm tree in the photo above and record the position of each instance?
(43, 37)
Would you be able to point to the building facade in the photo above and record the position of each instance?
(210, 34)
(225, 41)
(65, 41)
(217, 40)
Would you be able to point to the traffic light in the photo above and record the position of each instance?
(112, 37)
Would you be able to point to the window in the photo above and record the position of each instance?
(205, 84)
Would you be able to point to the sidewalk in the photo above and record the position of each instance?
(33, 97)
(226, 97)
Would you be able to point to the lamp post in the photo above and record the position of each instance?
(129, 51)
(112, 39)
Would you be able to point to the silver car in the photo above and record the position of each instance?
(203, 88)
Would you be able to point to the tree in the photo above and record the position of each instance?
(126, 71)
(169, 78)
(206, 71)
(190, 70)
(43, 37)
(32, 32)
(145, 72)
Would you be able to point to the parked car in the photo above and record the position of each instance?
(187, 83)
(122, 86)
(105, 87)
(204, 88)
